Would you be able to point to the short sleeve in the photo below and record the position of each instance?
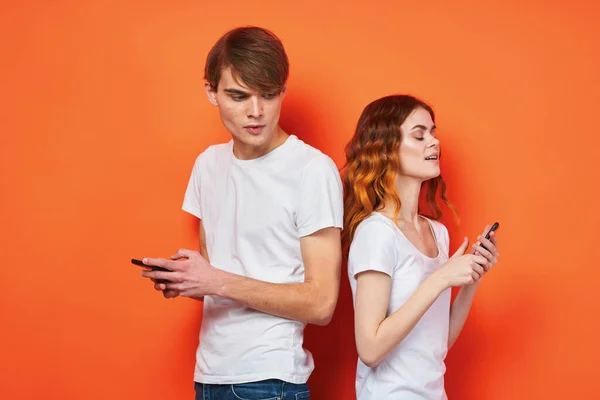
(191, 200)
(373, 249)
(320, 198)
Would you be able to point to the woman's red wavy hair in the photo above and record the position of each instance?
(373, 159)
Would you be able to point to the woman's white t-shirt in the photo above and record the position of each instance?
(415, 368)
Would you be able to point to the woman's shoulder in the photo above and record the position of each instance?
(438, 226)
(376, 222)
(376, 229)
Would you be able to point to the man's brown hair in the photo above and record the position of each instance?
(255, 55)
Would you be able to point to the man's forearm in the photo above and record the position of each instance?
(460, 310)
(304, 301)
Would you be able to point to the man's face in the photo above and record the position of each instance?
(251, 117)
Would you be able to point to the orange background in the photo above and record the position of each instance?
(102, 114)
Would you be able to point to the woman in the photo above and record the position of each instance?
(398, 265)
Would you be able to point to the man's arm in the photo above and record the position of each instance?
(202, 240)
(312, 301)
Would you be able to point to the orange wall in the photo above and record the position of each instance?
(102, 114)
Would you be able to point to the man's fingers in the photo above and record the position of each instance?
(174, 286)
(183, 253)
(158, 262)
(171, 265)
(169, 294)
(162, 276)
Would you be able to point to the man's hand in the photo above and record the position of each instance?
(311, 301)
(193, 277)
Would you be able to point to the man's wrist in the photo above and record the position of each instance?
(220, 282)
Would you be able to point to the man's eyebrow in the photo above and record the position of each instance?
(235, 91)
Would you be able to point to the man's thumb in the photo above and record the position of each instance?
(463, 247)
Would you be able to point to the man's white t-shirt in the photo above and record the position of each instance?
(254, 213)
(414, 369)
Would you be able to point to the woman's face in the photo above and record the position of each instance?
(419, 148)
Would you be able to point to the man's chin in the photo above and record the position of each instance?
(255, 140)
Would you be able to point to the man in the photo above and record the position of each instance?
(270, 209)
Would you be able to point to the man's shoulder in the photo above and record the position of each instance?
(311, 158)
(214, 153)
(305, 150)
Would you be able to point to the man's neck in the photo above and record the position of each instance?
(247, 152)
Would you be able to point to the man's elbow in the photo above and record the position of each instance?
(323, 313)
(322, 320)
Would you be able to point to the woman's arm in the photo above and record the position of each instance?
(377, 335)
(462, 303)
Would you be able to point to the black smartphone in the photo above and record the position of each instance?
(152, 267)
(487, 235)
(492, 229)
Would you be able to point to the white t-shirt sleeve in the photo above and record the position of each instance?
(320, 198)
(191, 200)
(445, 239)
(373, 248)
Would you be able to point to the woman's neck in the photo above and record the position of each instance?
(408, 190)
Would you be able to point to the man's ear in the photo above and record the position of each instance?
(282, 94)
(211, 94)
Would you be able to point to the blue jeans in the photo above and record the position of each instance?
(270, 389)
